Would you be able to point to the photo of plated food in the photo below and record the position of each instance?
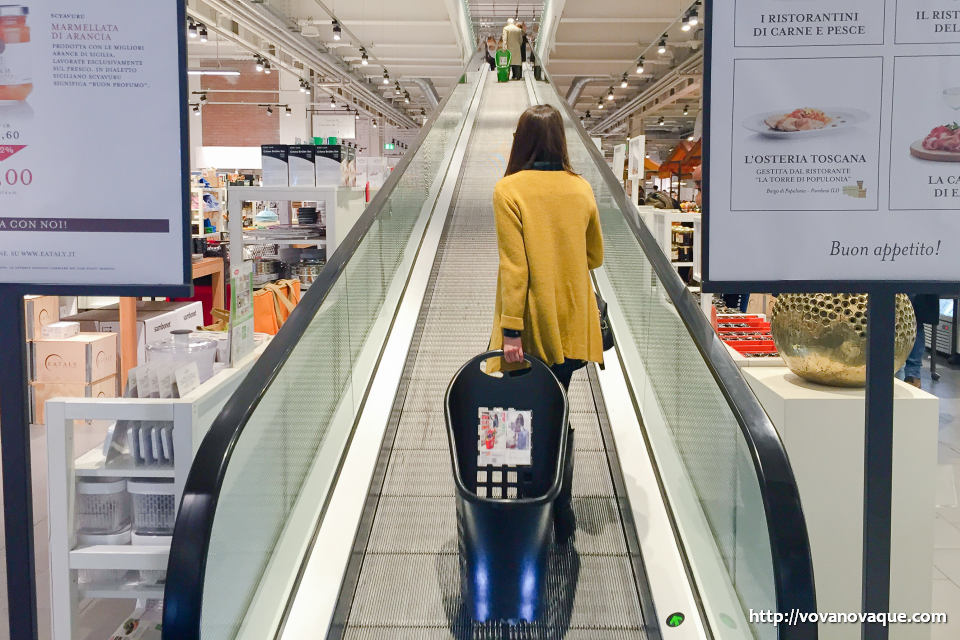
(804, 121)
(942, 144)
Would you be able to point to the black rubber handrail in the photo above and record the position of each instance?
(186, 568)
(786, 525)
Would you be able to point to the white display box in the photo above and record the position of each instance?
(822, 429)
(191, 416)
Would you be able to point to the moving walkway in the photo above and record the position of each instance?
(321, 503)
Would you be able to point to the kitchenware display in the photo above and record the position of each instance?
(103, 507)
(307, 216)
(840, 118)
(307, 271)
(154, 507)
(184, 347)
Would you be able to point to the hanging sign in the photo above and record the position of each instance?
(832, 150)
(93, 158)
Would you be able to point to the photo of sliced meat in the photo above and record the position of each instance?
(943, 138)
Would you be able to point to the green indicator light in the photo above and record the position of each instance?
(675, 619)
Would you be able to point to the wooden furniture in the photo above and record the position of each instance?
(212, 267)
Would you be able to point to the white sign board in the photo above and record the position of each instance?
(832, 153)
(619, 160)
(637, 153)
(341, 127)
(92, 167)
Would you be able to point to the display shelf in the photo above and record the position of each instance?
(93, 464)
(191, 417)
(682, 264)
(122, 591)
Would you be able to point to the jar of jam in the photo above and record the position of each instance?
(16, 81)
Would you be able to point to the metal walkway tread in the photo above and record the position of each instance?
(409, 584)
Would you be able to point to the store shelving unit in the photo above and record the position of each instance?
(191, 417)
(201, 211)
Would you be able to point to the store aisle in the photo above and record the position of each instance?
(946, 533)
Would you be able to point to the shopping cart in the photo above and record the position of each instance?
(505, 509)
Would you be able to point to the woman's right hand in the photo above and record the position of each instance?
(512, 349)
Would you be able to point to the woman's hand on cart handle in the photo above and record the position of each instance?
(512, 349)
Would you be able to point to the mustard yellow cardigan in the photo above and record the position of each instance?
(548, 232)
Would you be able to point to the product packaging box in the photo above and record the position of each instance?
(330, 164)
(302, 165)
(40, 392)
(274, 158)
(155, 321)
(82, 359)
(41, 311)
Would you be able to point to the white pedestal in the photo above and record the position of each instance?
(822, 429)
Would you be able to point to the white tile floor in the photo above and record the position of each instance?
(99, 619)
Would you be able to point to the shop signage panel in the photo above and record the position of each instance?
(93, 171)
(832, 146)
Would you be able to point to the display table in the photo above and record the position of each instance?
(822, 429)
(212, 267)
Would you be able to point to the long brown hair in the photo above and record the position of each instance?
(540, 137)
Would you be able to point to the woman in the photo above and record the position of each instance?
(548, 234)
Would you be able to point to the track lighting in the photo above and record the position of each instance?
(192, 30)
(356, 115)
(690, 138)
(374, 123)
(600, 105)
(686, 22)
(640, 65)
(336, 30)
(661, 121)
(397, 91)
(303, 85)
(269, 111)
(266, 67)
(203, 33)
(406, 97)
(203, 98)
(694, 18)
(686, 109)
(611, 96)
(386, 77)
(662, 45)
(587, 115)
(423, 112)
(333, 103)
(289, 112)
(196, 109)
(364, 58)
(624, 83)
(259, 63)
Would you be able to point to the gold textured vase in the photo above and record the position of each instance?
(823, 336)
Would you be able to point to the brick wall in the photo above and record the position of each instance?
(244, 125)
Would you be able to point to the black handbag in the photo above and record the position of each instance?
(605, 330)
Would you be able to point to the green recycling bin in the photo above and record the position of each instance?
(503, 65)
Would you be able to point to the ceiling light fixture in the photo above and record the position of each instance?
(289, 112)
(686, 109)
(600, 105)
(689, 138)
(386, 77)
(640, 65)
(203, 33)
(624, 83)
(374, 123)
(587, 114)
(611, 96)
(694, 17)
(192, 29)
(356, 114)
(203, 98)
(686, 22)
(364, 58)
(196, 109)
(266, 67)
(333, 103)
(406, 97)
(336, 30)
(259, 63)
(269, 111)
(661, 121)
(662, 45)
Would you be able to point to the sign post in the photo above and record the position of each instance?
(81, 81)
(828, 167)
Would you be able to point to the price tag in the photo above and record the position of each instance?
(188, 378)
